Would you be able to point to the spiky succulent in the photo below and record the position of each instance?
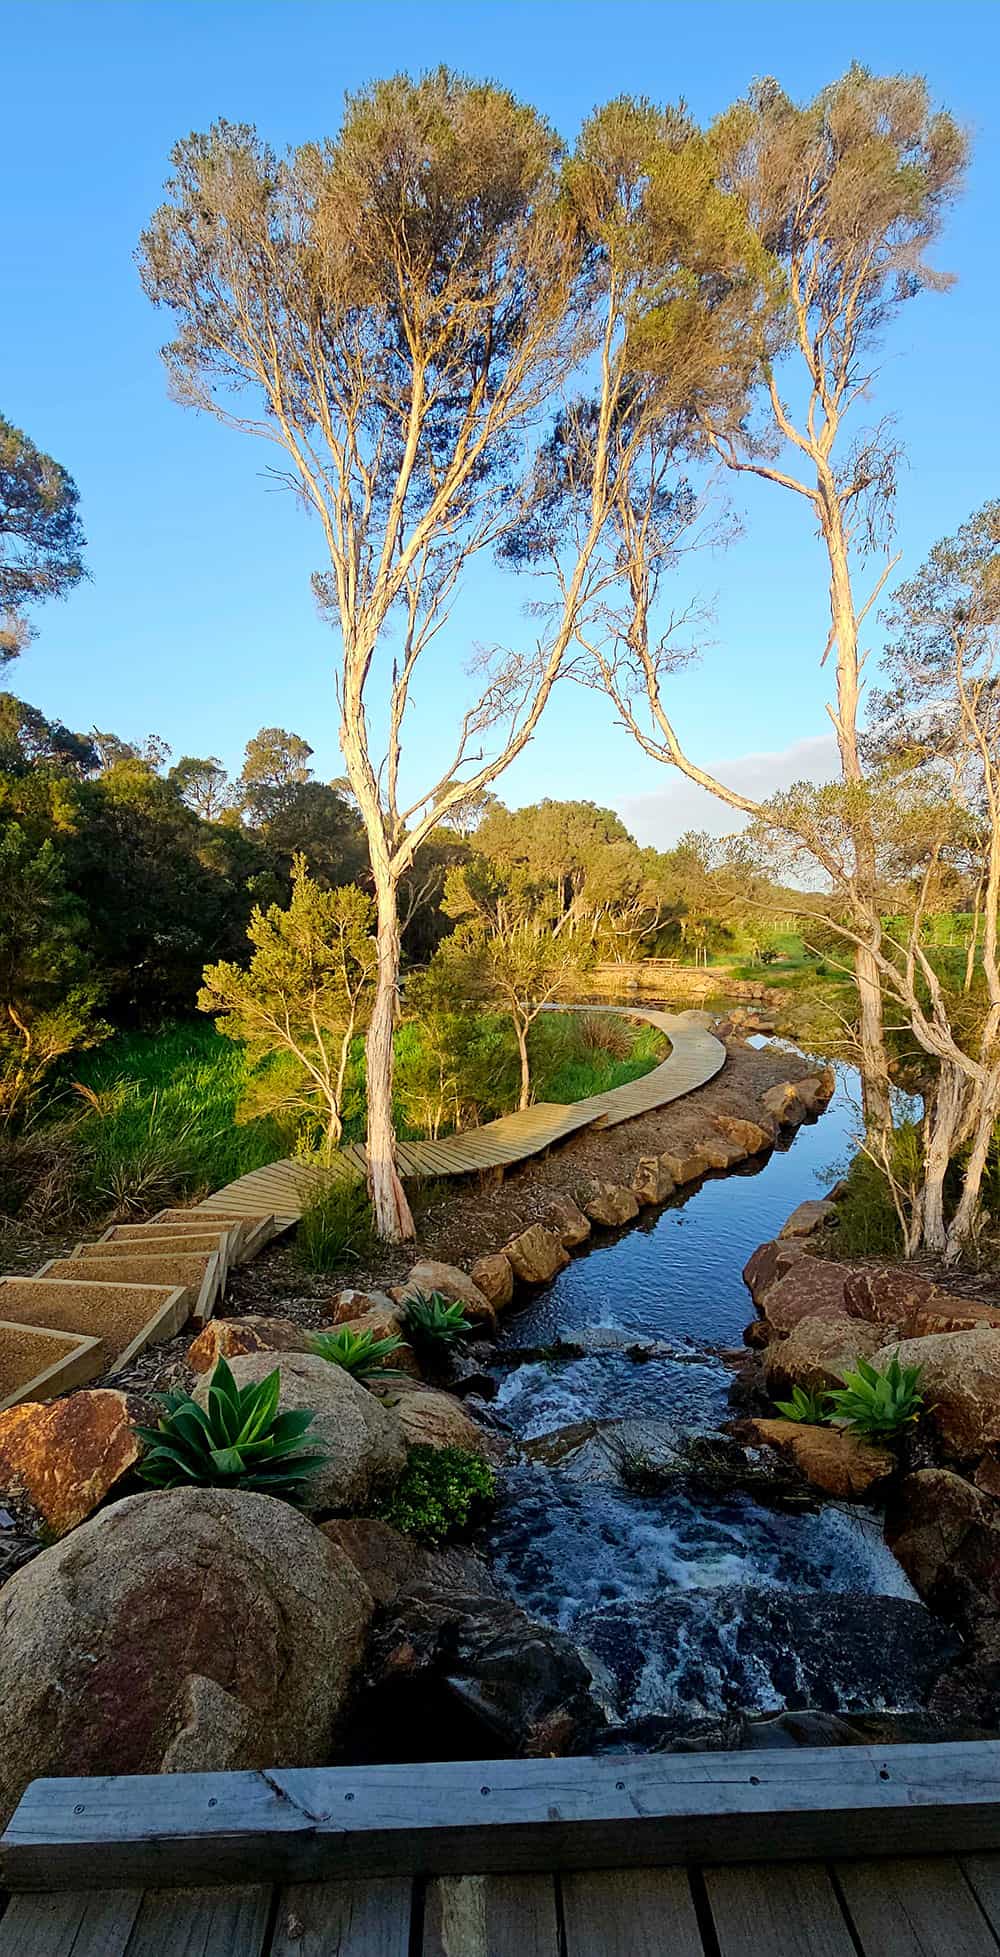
(239, 1441)
(433, 1320)
(878, 1403)
(812, 1409)
(359, 1353)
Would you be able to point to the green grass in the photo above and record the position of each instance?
(159, 1117)
(156, 1114)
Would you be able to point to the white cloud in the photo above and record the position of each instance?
(659, 819)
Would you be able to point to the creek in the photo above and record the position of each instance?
(690, 1603)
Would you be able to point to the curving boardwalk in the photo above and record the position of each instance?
(695, 1057)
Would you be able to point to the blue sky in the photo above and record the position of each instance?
(199, 622)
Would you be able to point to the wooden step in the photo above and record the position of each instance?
(198, 1275)
(124, 1317)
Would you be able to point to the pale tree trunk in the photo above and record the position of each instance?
(522, 1047)
(963, 1223)
(393, 1218)
(941, 1124)
(875, 1085)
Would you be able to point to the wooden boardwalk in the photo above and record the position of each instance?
(695, 1057)
(721, 1855)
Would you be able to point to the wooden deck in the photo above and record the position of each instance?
(695, 1057)
(719, 1855)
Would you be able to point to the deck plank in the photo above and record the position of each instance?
(491, 1916)
(791, 1910)
(914, 1908)
(344, 1919)
(695, 1058)
(982, 1872)
(201, 1923)
(630, 1913)
(96, 1923)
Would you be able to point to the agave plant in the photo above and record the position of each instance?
(239, 1441)
(359, 1353)
(810, 1408)
(433, 1320)
(878, 1403)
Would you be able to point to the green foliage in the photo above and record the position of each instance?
(812, 1409)
(878, 1404)
(305, 992)
(240, 1441)
(359, 1353)
(157, 1119)
(337, 1226)
(434, 1322)
(41, 538)
(441, 1492)
(867, 1223)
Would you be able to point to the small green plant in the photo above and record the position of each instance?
(813, 1409)
(359, 1353)
(240, 1440)
(878, 1403)
(434, 1321)
(440, 1493)
(337, 1226)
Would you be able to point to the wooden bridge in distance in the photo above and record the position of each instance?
(696, 1056)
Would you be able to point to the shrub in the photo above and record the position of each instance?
(878, 1404)
(337, 1226)
(604, 1033)
(813, 1409)
(240, 1441)
(433, 1321)
(359, 1353)
(441, 1492)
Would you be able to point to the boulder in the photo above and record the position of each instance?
(813, 1288)
(523, 1686)
(195, 1628)
(493, 1276)
(430, 1418)
(650, 1182)
(688, 1167)
(66, 1455)
(536, 1255)
(808, 1217)
(818, 1352)
(769, 1263)
(232, 1338)
(609, 1204)
(750, 1135)
(390, 1562)
(722, 1152)
(783, 1103)
(566, 1218)
(888, 1297)
(841, 1464)
(960, 1383)
(363, 1440)
(450, 1283)
(946, 1535)
(816, 1090)
(987, 1475)
(945, 1313)
(351, 1304)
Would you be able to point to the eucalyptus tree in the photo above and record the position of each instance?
(833, 205)
(41, 536)
(393, 309)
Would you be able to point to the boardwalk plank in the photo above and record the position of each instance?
(983, 1873)
(786, 1911)
(70, 1924)
(630, 1913)
(914, 1909)
(695, 1058)
(344, 1919)
(491, 1916)
(201, 1923)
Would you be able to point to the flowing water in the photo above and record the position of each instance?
(688, 1605)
